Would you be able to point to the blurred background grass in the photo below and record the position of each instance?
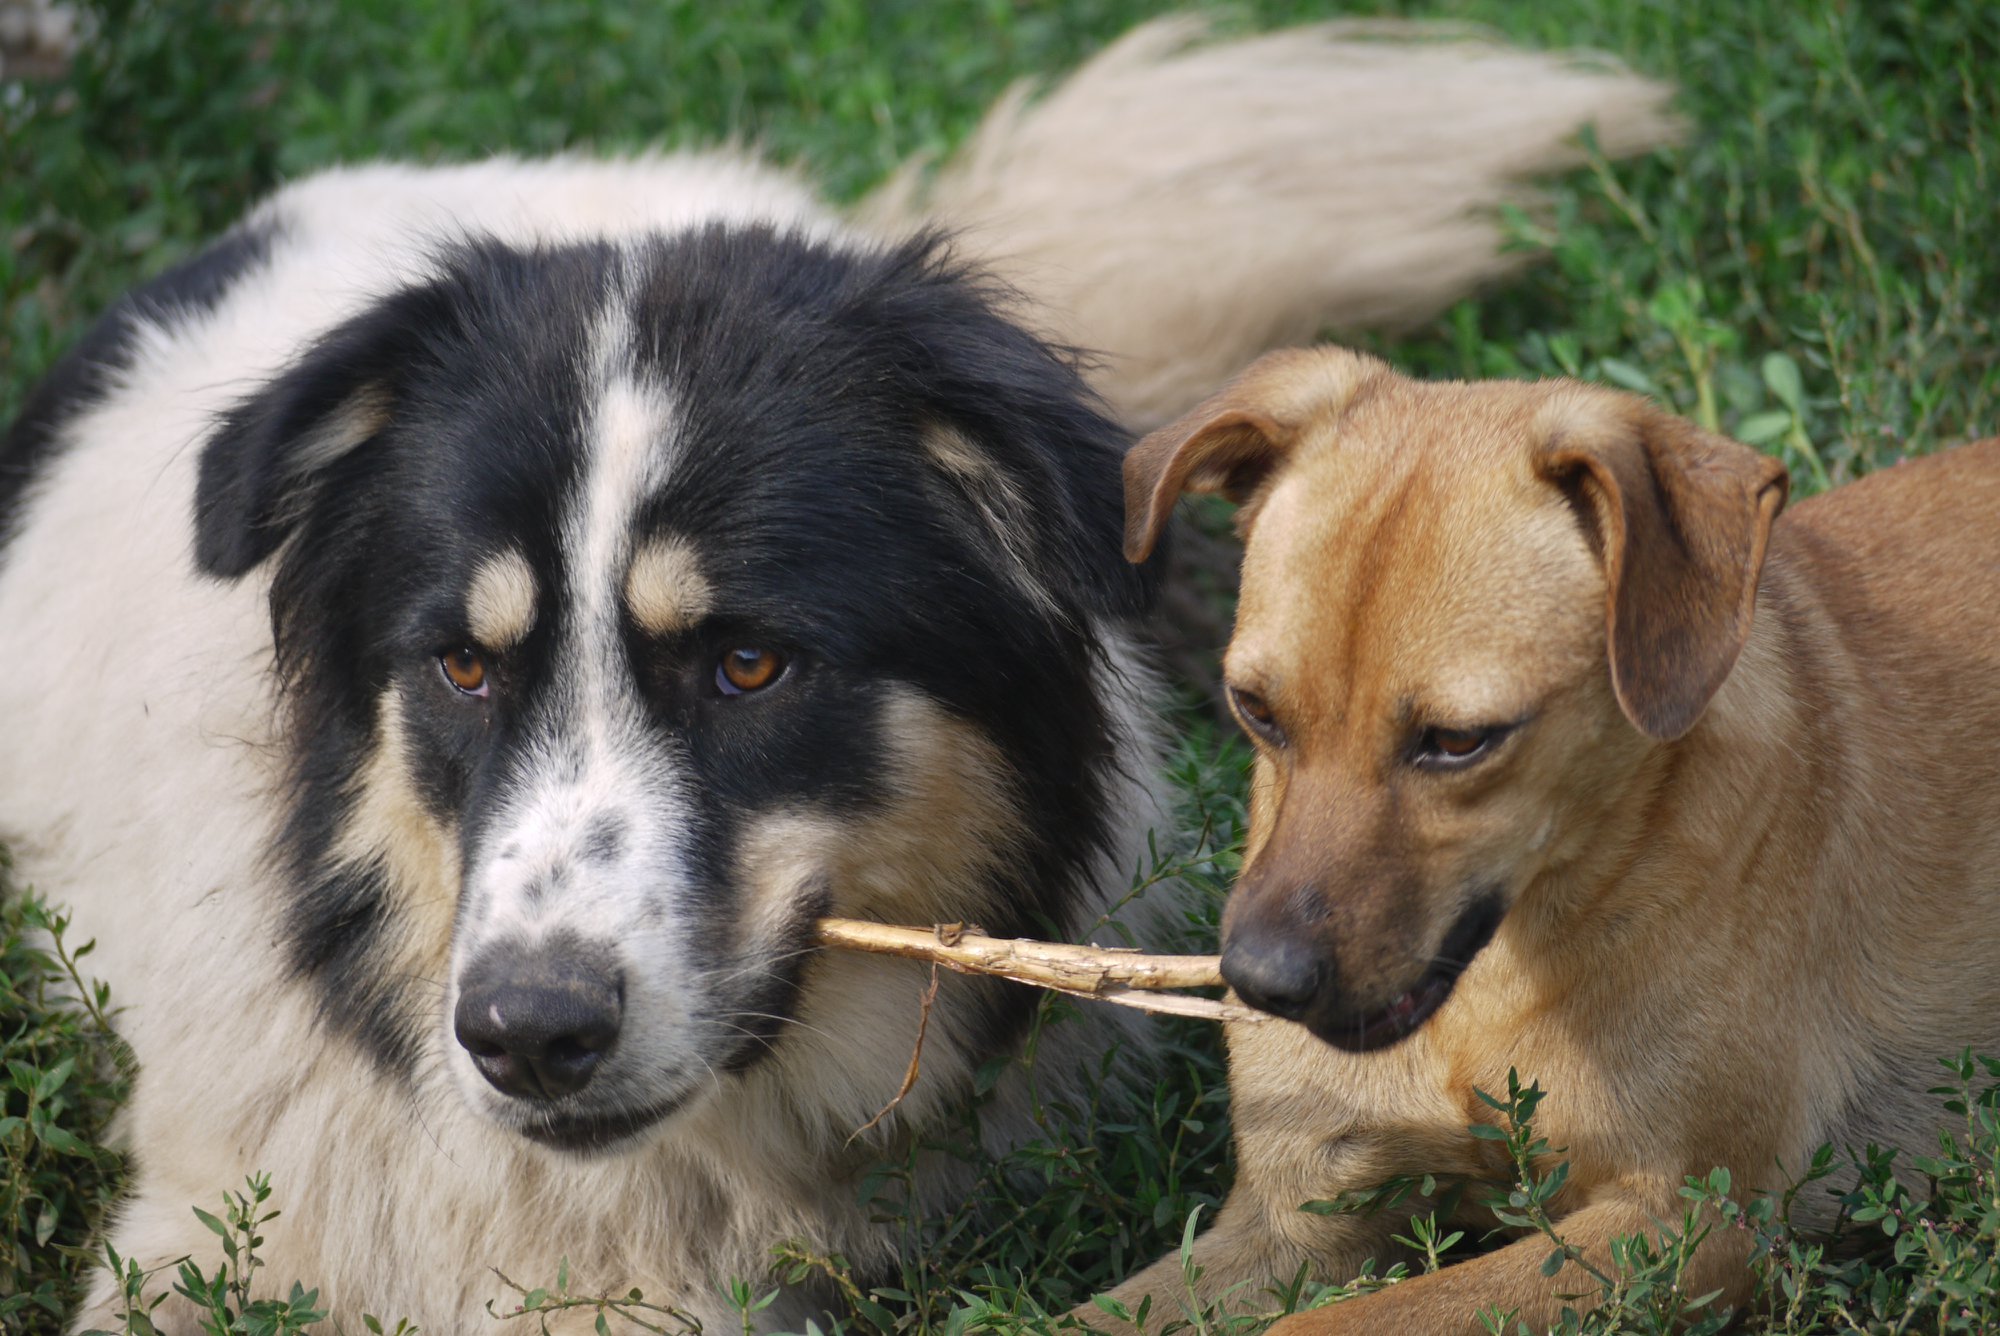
(1835, 205)
(1817, 270)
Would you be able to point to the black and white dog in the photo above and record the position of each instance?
(463, 628)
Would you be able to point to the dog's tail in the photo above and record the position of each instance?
(1179, 205)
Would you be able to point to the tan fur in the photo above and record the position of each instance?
(1003, 513)
(347, 426)
(665, 590)
(1747, 906)
(392, 825)
(1120, 203)
(950, 821)
(500, 608)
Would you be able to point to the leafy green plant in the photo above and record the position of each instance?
(630, 1309)
(64, 1075)
(1638, 1287)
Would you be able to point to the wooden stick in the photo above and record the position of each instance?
(1126, 977)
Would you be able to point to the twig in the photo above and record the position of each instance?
(916, 1058)
(539, 1303)
(1106, 974)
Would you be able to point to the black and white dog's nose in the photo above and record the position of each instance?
(538, 1024)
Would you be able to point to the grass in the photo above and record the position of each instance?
(1817, 271)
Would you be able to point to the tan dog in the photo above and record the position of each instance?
(1727, 887)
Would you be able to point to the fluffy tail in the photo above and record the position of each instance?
(1178, 206)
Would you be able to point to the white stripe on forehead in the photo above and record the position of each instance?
(589, 834)
(629, 442)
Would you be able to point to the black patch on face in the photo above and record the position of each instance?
(83, 376)
(803, 382)
(604, 841)
(761, 1012)
(334, 923)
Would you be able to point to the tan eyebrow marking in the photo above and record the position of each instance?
(500, 606)
(665, 588)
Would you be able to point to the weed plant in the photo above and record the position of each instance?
(1817, 271)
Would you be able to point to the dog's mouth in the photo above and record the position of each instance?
(1405, 1015)
(597, 1133)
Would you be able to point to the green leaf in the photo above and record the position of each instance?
(1781, 374)
(63, 1141)
(1112, 1306)
(52, 1080)
(45, 1224)
(1763, 428)
(1188, 1232)
(1626, 376)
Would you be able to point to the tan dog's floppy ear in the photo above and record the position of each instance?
(1230, 441)
(1683, 517)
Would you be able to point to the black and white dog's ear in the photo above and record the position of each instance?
(1022, 435)
(269, 454)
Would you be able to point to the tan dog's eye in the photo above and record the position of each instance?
(744, 670)
(465, 669)
(1452, 748)
(1255, 713)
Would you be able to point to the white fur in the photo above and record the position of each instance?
(155, 775)
(1180, 206)
(140, 759)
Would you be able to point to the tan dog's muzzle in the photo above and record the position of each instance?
(1349, 958)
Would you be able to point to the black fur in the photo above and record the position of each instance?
(84, 375)
(804, 379)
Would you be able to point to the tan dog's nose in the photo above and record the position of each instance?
(1275, 967)
(1354, 959)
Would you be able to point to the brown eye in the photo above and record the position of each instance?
(1454, 748)
(744, 670)
(465, 669)
(1255, 712)
(1457, 741)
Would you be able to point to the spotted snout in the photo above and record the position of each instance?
(1362, 968)
(538, 1021)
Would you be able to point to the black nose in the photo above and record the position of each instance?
(1273, 971)
(538, 1022)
